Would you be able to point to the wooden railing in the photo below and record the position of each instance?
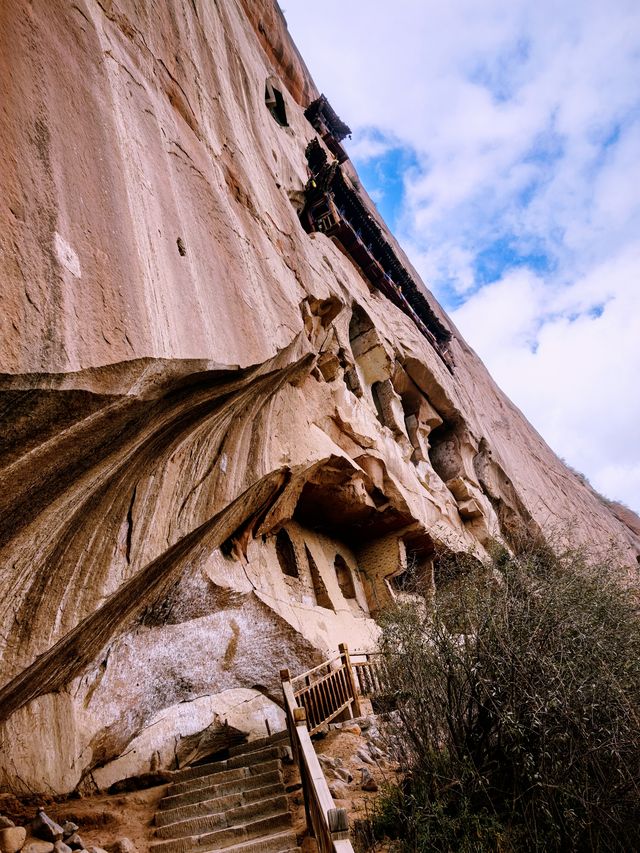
(369, 674)
(328, 824)
(312, 700)
(327, 690)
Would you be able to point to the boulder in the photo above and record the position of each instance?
(12, 839)
(61, 847)
(35, 846)
(122, 845)
(368, 782)
(5, 822)
(339, 791)
(375, 752)
(343, 774)
(363, 755)
(69, 827)
(216, 737)
(74, 842)
(45, 828)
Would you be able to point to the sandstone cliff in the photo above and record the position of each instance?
(222, 441)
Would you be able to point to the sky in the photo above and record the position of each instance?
(500, 139)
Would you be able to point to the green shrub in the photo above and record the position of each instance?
(517, 710)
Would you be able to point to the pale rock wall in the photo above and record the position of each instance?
(246, 710)
(185, 373)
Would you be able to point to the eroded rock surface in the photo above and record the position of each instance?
(223, 445)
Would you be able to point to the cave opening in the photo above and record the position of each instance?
(275, 103)
(359, 324)
(286, 554)
(344, 576)
(444, 452)
(320, 590)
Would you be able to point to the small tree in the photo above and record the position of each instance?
(517, 710)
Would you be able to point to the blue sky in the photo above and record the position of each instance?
(501, 142)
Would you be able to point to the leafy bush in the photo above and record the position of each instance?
(517, 710)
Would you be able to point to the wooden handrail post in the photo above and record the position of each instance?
(346, 661)
(285, 678)
(300, 720)
(338, 824)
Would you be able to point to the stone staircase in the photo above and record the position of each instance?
(238, 804)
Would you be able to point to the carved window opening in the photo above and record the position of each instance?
(345, 577)
(275, 104)
(322, 596)
(286, 554)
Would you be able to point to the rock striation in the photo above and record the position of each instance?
(229, 428)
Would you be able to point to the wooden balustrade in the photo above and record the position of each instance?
(312, 700)
(328, 824)
(369, 674)
(327, 690)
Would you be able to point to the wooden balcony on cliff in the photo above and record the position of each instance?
(329, 125)
(335, 208)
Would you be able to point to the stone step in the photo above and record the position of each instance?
(222, 777)
(247, 759)
(283, 842)
(241, 792)
(241, 781)
(224, 837)
(260, 743)
(239, 814)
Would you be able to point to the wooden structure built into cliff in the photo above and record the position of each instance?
(334, 207)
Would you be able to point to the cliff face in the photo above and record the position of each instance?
(221, 441)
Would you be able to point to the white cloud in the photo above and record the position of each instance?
(574, 372)
(524, 119)
(368, 146)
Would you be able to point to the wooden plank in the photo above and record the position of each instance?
(323, 701)
(333, 689)
(315, 698)
(331, 716)
(325, 677)
(316, 776)
(325, 704)
(338, 687)
(314, 670)
(307, 700)
(344, 686)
